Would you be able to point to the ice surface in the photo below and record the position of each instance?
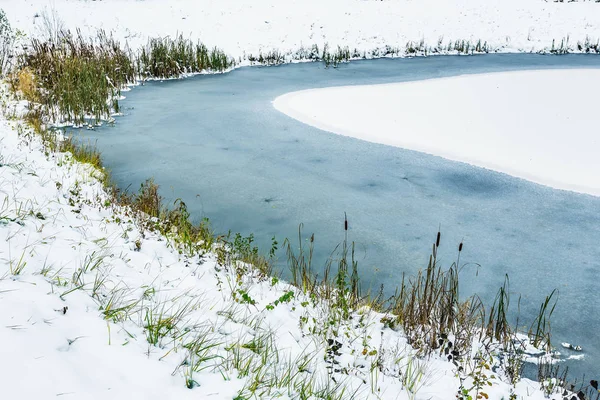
(217, 142)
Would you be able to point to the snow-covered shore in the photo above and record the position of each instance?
(241, 28)
(536, 125)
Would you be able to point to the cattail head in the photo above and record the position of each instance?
(312, 238)
(460, 247)
(345, 222)
(437, 240)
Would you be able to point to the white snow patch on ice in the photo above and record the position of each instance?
(537, 125)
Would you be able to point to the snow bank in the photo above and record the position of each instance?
(538, 125)
(247, 27)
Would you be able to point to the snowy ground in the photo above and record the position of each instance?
(249, 27)
(536, 125)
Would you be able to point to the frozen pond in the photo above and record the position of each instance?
(218, 143)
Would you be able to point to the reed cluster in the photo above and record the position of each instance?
(167, 58)
(339, 286)
(313, 53)
(427, 306)
(589, 45)
(430, 311)
(76, 79)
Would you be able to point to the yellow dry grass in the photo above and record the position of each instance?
(26, 85)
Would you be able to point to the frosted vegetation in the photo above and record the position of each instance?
(112, 294)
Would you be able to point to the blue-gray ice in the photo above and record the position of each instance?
(217, 143)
